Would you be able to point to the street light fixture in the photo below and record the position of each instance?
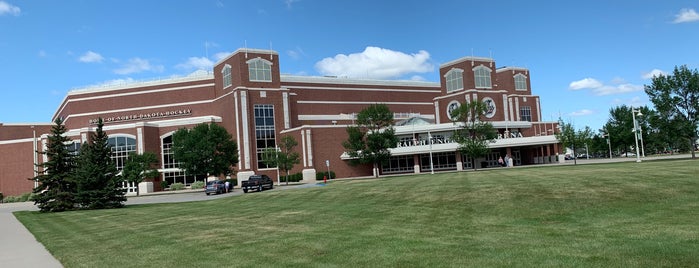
(609, 144)
(635, 131)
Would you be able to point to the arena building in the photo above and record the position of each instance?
(257, 104)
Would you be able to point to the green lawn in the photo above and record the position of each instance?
(607, 215)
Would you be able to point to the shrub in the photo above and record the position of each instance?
(292, 177)
(164, 184)
(177, 186)
(319, 176)
(20, 198)
(25, 197)
(1, 197)
(197, 185)
(233, 182)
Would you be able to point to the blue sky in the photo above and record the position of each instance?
(585, 57)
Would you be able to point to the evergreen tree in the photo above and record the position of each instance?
(370, 140)
(56, 190)
(96, 175)
(475, 134)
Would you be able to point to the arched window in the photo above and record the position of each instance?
(227, 82)
(121, 147)
(520, 82)
(455, 80)
(260, 70)
(482, 75)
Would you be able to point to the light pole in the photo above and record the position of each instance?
(609, 143)
(635, 131)
(640, 133)
(429, 136)
(35, 156)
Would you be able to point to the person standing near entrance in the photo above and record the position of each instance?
(507, 160)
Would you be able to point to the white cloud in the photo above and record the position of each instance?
(582, 112)
(196, 63)
(7, 8)
(137, 65)
(600, 89)
(114, 82)
(417, 78)
(290, 2)
(296, 54)
(584, 83)
(686, 15)
(377, 63)
(653, 73)
(635, 102)
(42, 53)
(617, 89)
(221, 55)
(91, 57)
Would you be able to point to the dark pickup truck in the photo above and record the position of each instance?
(257, 182)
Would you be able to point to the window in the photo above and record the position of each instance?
(399, 164)
(227, 82)
(181, 177)
(455, 80)
(260, 70)
(525, 113)
(73, 148)
(440, 161)
(121, 147)
(168, 154)
(482, 75)
(520, 82)
(264, 131)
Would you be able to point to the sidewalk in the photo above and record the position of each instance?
(18, 247)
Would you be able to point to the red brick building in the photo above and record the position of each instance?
(248, 96)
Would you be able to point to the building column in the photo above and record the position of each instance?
(416, 166)
(459, 162)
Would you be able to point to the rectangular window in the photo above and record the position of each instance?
(399, 164)
(227, 81)
(440, 161)
(264, 131)
(525, 113)
(121, 148)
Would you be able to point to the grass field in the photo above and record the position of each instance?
(606, 215)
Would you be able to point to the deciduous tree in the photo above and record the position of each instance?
(206, 149)
(474, 134)
(370, 140)
(285, 158)
(677, 96)
(139, 167)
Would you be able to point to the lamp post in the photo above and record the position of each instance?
(35, 156)
(429, 136)
(635, 131)
(640, 133)
(609, 143)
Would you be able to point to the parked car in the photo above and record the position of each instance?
(257, 182)
(216, 187)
